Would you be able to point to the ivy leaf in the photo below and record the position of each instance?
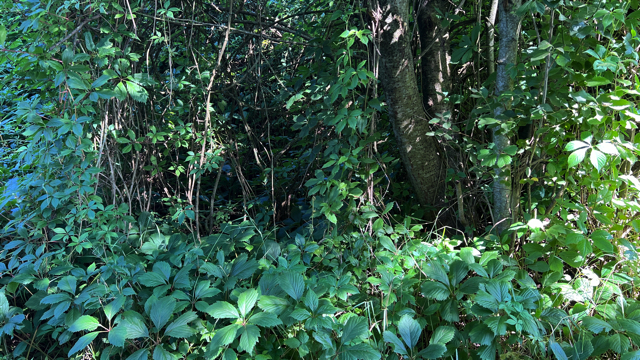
(355, 327)
(409, 330)
(246, 301)
(398, 344)
(162, 310)
(83, 342)
(117, 336)
(223, 310)
(442, 335)
(84, 322)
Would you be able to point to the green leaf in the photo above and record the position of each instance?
(3, 34)
(142, 354)
(557, 350)
(398, 344)
(84, 322)
(598, 159)
(630, 325)
(596, 325)
(293, 284)
(223, 310)
(436, 272)
(178, 328)
(135, 325)
(442, 335)
(225, 335)
(181, 280)
(292, 343)
(137, 92)
(484, 299)
(162, 310)
(55, 298)
(433, 351)
(355, 327)
(435, 290)
(360, 351)
(634, 355)
(246, 301)
(152, 279)
(77, 84)
(113, 307)
(248, 338)
(159, 353)
(311, 300)
(481, 334)
(619, 343)
(601, 239)
(83, 342)
(273, 304)
(265, 319)
(117, 335)
(100, 81)
(576, 157)
(409, 330)
(68, 284)
(598, 81)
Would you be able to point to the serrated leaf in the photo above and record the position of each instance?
(362, 351)
(113, 307)
(292, 284)
(225, 335)
(481, 334)
(471, 286)
(311, 300)
(596, 325)
(117, 336)
(619, 343)
(162, 310)
(265, 319)
(152, 279)
(159, 353)
(55, 298)
(398, 344)
(435, 290)
(248, 338)
(433, 351)
(497, 324)
(436, 272)
(3, 34)
(442, 335)
(68, 284)
(223, 310)
(409, 330)
(83, 342)
(272, 304)
(633, 355)
(84, 322)
(300, 314)
(246, 301)
(178, 328)
(137, 92)
(355, 327)
(135, 325)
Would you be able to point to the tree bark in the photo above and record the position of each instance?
(509, 27)
(420, 153)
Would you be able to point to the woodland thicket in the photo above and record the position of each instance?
(323, 179)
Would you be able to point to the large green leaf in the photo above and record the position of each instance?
(117, 335)
(355, 327)
(225, 335)
(265, 319)
(83, 342)
(246, 301)
(162, 310)
(142, 354)
(359, 351)
(273, 304)
(137, 92)
(113, 307)
(436, 272)
(435, 290)
(409, 330)
(179, 328)
(398, 344)
(442, 335)
(223, 310)
(135, 325)
(159, 353)
(596, 325)
(248, 338)
(433, 351)
(84, 322)
(293, 284)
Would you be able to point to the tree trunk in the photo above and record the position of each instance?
(509, 27)
(420, 153)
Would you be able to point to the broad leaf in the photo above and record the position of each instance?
(246, 301)
(409, 330)
(225, 335)
(265, 319)
(223, 310)
(84, 322)
(162, 310)
(83, 342)
(442, 335)
(435, 290)
(355, 327)
(362, 351)
(293, 284)
(398, 344)
(117, 335)
(248, 338)
(433, 351)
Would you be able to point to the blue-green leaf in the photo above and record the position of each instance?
(84, 322)
(162, 310)
(409, 330)
(117, 335)
(246, 301)
(355, 327)
(223, 310)
(83, 342)
(398, 344)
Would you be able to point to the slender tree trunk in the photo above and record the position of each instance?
(509, 27)
(420, 153)
(491, 23)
